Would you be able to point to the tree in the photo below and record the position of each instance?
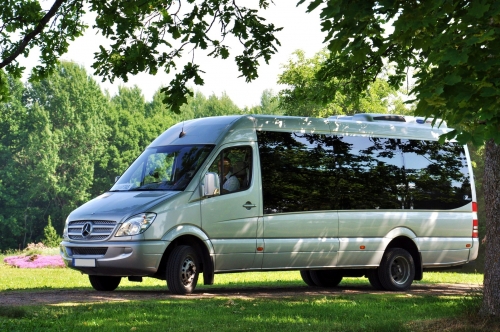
(50, 237)
(128, 135)
(454, 47)
(269, 104)
(146, 36)
(75, 106)
(307, 94)
(28, 158)
(215, 106)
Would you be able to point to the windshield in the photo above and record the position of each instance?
(163, 168)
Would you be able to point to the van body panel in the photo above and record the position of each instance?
(287, 124)
(300, 239)
(371, 223)
(361, 251)
(440, 223)
(444, 250)
(359, 259)
(173, 213)
(197, 131)
(474, 250)
(185, 229)
(420, 223)
(300, 253)
(315, 224)
(393, 129)
(445, 258)
(235, 254)
(241, 130)
(443, 243)
(119, 205)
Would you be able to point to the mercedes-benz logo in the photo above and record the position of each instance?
(87, 229)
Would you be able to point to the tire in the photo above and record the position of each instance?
(374, 279)
(104, 283)
(326, 278)
(306, 276)
(397, 270)
(182, 270)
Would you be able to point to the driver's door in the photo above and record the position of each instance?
(230, 219)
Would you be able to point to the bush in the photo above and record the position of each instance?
(34, 249)
(51, 238)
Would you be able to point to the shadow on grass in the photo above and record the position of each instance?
(333, 312)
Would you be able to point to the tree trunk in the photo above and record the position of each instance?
(491, 185)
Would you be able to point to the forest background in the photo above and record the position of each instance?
(63, 140)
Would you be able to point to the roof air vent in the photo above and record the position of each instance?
(397, 118)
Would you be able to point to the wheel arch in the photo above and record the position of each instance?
(194, 237)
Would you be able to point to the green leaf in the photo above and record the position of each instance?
(452, 79)
(478, 9)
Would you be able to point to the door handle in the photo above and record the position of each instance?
(248, 205)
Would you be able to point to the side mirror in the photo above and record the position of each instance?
(210, 185)
(116, 178)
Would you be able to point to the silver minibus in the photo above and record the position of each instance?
(368, 195)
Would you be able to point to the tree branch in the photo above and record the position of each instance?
(38, 29)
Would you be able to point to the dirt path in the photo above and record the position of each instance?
(68, 297)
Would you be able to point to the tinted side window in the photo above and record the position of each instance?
(437, 176)
(305, 172)
(368, 171)
(297, 172)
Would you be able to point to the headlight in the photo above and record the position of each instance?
(136, 224)
(65, 231)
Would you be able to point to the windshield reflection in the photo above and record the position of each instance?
(163, 168)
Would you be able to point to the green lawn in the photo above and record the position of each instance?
(335, 312)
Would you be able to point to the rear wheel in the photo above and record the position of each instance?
(182, 270)
(397, 270)
(326, 278)
(306, 276)
(104, 283)
(374, 279)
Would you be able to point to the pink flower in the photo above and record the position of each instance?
(34, 261)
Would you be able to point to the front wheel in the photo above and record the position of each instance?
(397, 270)
(182, 270)
(104, 283)
(326, 278)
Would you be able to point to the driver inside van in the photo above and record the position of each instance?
(229, 182)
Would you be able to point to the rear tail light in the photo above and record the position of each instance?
(475, 223)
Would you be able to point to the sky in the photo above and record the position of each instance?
(300, 31)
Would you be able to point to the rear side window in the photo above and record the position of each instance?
(369, 173)
(436, 175)
(313, 172)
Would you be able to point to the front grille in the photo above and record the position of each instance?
(95, 230)
(89, 251)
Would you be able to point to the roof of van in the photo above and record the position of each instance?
(212, 129)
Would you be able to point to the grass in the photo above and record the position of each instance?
(64, 278)
(394, 312)
(335, 312)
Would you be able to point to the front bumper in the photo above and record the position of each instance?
(140, 258)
